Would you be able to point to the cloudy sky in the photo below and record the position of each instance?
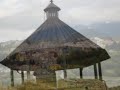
(19, 18)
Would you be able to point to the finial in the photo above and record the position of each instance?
(51, 1)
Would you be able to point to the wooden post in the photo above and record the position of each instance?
(28, 71)
(22, 76)
(100, 71)
(95, 71)
(12, 78)
(65, 74)
(56, 80)
(28, 75)
(65, 52)
(81, 73)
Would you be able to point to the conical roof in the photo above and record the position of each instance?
(47, 44)
(55, 33)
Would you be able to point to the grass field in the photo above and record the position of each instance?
(63, 85)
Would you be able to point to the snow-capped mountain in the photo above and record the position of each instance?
(103, 42)
(11, 43)
(7, 47)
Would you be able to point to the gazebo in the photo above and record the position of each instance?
(55, 46)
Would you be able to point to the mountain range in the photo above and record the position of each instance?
(103, 29)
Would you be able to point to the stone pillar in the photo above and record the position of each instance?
(81, 73)
(12, 78)
(100, 71)
(22, 76)
(95, 71)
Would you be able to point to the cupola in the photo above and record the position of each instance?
(51, 10)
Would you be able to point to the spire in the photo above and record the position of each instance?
(51, 1)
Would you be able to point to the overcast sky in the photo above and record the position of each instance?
(19, 18)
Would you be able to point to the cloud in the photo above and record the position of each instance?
(86, 14)
(8, 8)
(24, 15)
(6, 35)
(91, 11)
(74, 11)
